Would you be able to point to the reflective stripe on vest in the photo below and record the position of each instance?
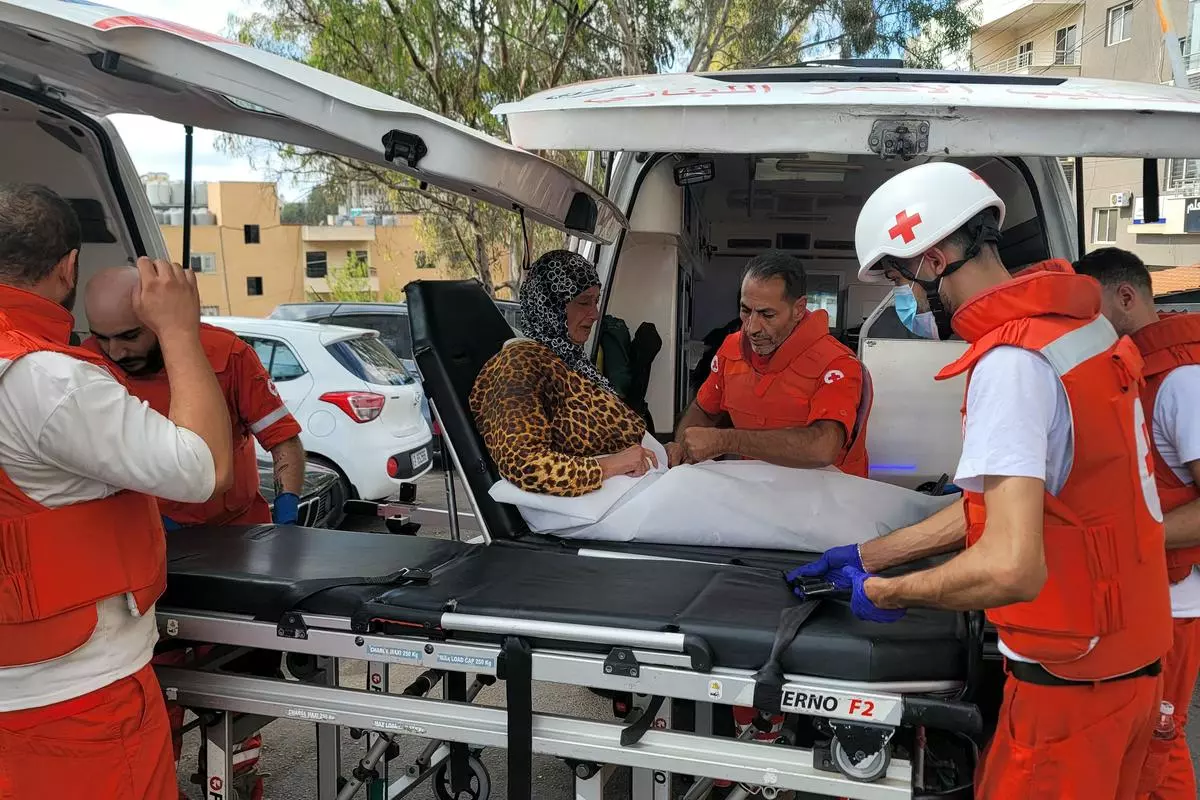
(1166, 345)
(1104, 610)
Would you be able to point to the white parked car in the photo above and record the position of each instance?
(359, 408)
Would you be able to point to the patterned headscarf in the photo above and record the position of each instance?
(553, 281)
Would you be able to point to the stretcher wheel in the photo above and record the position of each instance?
(480, 783)
(869, 769)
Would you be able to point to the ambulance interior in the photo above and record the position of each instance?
(66, 152)
(680, 265)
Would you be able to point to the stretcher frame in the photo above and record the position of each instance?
(648, 665)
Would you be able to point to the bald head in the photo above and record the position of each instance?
(108, 301)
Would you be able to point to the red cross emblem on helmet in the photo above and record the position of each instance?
(903, 229)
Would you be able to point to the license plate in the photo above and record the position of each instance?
(420, 458)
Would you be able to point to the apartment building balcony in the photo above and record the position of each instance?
(337, 233)
(324, 286)
(1051, 63)
(997, 16)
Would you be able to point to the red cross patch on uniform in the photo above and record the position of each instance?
(903, 229)
(833, 376)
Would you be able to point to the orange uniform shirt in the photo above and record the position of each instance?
(811, 377)
(255, 409)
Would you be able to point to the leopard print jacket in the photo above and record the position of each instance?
(545, 424)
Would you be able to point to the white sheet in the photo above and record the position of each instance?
(748, 504)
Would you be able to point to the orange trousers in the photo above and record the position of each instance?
(1168, 773)
(110, 744)
(1069, 742)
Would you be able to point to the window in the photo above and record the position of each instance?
(393, 329)
(358, 255)
(1066, 46)
(254, 286)
(1182, 173)
(204, 263)
(316, 264)
(1120, 24)
(367, 359)
(823, 293)
(1068, 168)
(1025, 55)
(251, 234)
(422, 260)
(276, 357)
(1104, 225)
(210, 311)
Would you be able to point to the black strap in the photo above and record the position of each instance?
(637, 729)
(460, 753)
(768, 681)
(300, 591)
(517, 674)
(1030, 672)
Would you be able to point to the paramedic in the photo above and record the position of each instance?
(781, 389)
(81, 714)
(551, 422)
(255, 409)
(1170, 347)
(1061, 518)
(912, 306)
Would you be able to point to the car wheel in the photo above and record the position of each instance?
(344, 488)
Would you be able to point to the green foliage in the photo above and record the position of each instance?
(351, 283)
(460, 58)
(314, 209)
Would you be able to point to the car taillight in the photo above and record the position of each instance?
(359, 406)
(393, 467)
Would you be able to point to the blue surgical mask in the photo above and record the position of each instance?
(921, 324)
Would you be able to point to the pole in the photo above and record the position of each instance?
(187, 197)
(1171, 41)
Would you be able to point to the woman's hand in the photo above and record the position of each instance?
(633, 461)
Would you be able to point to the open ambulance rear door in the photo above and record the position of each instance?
(103, 61)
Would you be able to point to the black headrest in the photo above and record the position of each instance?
(456, 328)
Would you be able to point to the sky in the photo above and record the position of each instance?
(157, 146)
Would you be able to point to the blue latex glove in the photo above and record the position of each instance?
(170, 524)
(286, 510)
(860, 604)
(829, 564)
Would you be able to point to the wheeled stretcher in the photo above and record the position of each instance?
(677, 635)
(689, 636)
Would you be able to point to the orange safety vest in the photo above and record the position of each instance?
(57, 563)
(780, 396)
(1105, 609)
(1173, 341)
(241, 504)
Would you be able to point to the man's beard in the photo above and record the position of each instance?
(150, 364)
(68, 302)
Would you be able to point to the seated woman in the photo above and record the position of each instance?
(550, 421)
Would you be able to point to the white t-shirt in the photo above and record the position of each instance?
(1018, 425)
(70, 433)
(1175, 426)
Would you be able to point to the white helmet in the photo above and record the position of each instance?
(915, 210)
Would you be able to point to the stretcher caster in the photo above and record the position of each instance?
(480, 782)
(867, 768)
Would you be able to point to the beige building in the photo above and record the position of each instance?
(1109, 39)
(248, 262)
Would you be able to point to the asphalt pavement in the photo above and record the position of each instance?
(289, 753)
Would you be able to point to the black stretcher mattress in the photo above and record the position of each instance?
(263, 570)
